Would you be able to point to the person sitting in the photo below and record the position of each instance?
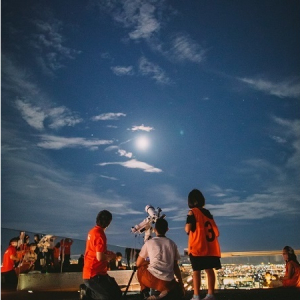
(116, 264)
(30, 258)
(292, 270)
(157, 264)
(97, 283)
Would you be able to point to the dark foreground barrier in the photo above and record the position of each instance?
(69, 281)
(255, 294)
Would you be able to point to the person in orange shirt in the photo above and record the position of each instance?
(292, 270)
(97, 283)
(9, 277)
(203, 246)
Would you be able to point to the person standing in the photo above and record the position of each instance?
(96, 258)
(9, 277)
(203, 246)
(65, 256)
(56, 256)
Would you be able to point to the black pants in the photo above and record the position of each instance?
(9, 280)
(103, 287)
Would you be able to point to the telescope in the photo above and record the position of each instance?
(145, 225)
(46, 242)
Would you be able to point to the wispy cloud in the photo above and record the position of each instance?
(141, 128)
(152, 70)
(184, 48)
(109, 177)
(134, 164)
(16, 80)
(50, 43)
(141, 18)
(36, 115)
(145, 22)
(124, 153)
(122, 71)
(278, 139)
(289, 88)
(55, 142)
(290, 130)
(108, 116)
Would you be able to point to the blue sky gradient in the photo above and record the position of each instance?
(213, 86)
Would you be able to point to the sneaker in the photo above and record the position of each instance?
(209, 297)
(145, 293)
(195, 297)
(160, 296)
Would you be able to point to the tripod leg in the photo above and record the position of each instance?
(129, 282)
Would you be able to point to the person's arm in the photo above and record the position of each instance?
(108, 256)
(290, 271)
(14, 257)
(190, 222)
(178, 276)
(141, 261)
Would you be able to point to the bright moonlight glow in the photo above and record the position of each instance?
(142, 143)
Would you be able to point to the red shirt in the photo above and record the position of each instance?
(204, 240)
(295, 280)
(56, 252)
(96, 242)
(8, 263)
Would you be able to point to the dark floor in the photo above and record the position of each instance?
(255, 294)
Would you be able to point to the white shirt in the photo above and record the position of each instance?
(162, 253)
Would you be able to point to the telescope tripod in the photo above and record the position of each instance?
(129, 282)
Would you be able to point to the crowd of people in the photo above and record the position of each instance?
(23, 256)
(157, 262)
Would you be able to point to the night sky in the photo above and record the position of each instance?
(119, 104)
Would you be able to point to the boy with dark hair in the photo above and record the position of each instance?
(96, 258)
(158, 263)
(9, 277)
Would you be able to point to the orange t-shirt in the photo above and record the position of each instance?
(8, 263)
(295, 280)
(204, 240)
(96, 242)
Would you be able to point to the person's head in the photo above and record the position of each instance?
(196, 199)
(37, 237)
(32, 246)
(13, 242)
(57, 245)
(118, 256)
(104, 218)
(288, 254)
(22, 234)
(268, 276)
(161, 226)
(26, 239)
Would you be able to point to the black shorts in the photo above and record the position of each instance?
(205, 262)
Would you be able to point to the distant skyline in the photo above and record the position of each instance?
(119, 104)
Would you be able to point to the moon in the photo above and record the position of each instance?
(142, 143)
